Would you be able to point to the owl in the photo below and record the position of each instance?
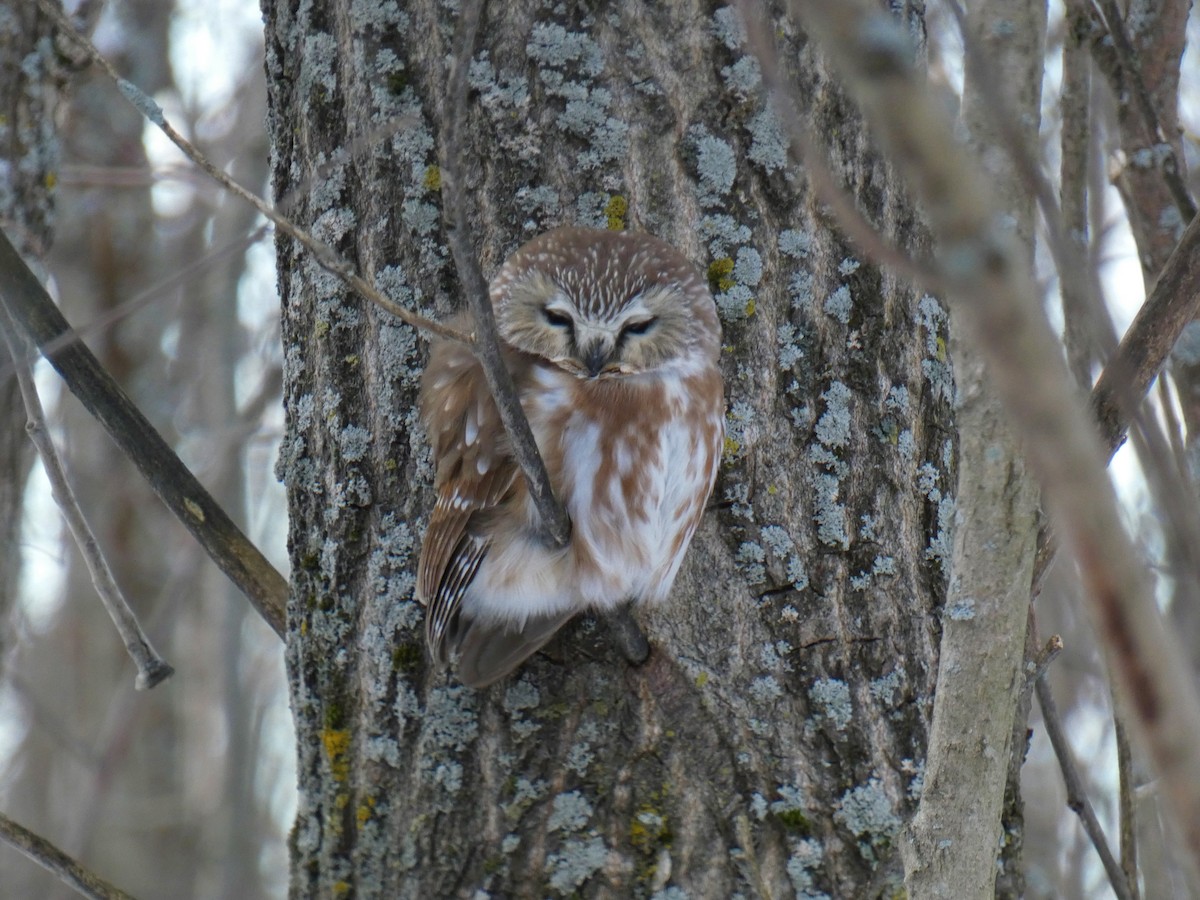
(612, 340)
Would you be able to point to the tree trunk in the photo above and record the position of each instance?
(30, 81)
(774, 741)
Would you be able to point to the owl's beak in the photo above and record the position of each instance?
(595, 356)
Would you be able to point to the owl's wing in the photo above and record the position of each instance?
(475, 474)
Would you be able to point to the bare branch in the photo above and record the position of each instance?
(143, 299)
(53, 860)
(1172, 304)
(1041, 665)
(1076, 796)
(556, 524)
(151, 667)
(993, 292)
(324, 255)
(35, 314)
(1080, 332)
(1127, 802)
(1172, 172)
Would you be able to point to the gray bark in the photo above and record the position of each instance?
(30, 82)
(773, 743)
(959, 830)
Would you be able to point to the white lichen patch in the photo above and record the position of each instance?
(569, 812)
(575, 862)
(832, 698)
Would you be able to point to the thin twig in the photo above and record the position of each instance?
(53, 860)
(1127, 801)
(556, 524)
(152, 668)
(1049, 653)
(1079, 313)
(1077, 798)
(325, 256)
(36, 315)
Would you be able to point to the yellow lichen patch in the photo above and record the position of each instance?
(701, 679)
(341, 888)
(337, 751)
(750, 307)
(731, 448)
(432, 179)
(321, 329)
(51, 180)
(614, 212)
(719, 272)
(648, 829)
(364, 811)
(193, 509)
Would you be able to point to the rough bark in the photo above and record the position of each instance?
(30, 81)
(773, 743)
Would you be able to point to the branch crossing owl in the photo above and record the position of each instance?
(613, 341)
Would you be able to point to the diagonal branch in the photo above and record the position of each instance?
(556, 524)
(1077, 798)
(36, 315)
(53, 860)
(151, 667)
(1143, 351)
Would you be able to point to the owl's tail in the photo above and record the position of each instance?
(489, 651)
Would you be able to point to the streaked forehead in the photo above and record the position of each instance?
(600, 271)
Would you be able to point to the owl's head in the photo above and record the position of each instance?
(604, 303)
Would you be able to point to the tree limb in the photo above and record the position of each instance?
(35, 314)
(1000, 303)
(53, 860)
(1143, 351)
(1172, 172)
(556, 524)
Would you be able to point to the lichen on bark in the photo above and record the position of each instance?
(774, 740)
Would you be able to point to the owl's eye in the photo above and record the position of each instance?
(639, 327)
(558, 319)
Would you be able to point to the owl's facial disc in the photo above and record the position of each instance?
(594, 337)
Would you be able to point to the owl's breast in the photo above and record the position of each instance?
(637, 462)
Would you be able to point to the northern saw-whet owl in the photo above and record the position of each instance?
(612, 340)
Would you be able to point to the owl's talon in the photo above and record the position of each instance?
(630, 638)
